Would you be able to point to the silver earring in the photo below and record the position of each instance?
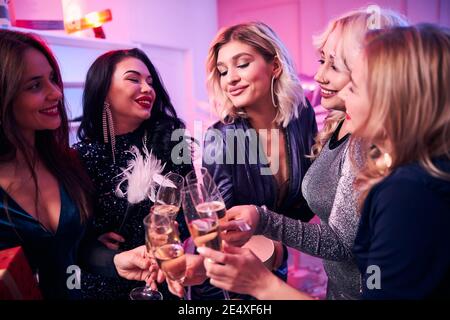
(272, 92)
(108, 129)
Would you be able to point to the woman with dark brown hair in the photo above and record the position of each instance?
(44, 203)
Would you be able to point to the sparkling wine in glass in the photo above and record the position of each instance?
(167, 247)
(146, 292)
(172, 261)
(205, 233)
(201, 214)
(168, 198)
(206, 196)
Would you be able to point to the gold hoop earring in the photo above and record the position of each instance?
(108, 129)
(272, 92)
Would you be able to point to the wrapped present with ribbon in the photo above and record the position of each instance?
(17, 281)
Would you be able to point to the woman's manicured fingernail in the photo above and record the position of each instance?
(201, 250)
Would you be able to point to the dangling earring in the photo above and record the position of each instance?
(272, 92)
(108, 129)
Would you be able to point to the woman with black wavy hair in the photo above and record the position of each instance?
(125, 104)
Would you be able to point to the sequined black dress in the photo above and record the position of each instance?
(109, 210)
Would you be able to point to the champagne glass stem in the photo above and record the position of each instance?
(226, 295)
(186, 292)
(148, 287)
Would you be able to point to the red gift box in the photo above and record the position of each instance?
(17, 281)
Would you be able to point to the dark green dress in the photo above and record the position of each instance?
(49, 254)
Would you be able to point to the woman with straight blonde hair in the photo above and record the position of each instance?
(399, 103)
(328, 184)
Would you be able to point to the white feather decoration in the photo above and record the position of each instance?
(143, 174)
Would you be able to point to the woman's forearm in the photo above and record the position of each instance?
(319, 240)
(273, 288)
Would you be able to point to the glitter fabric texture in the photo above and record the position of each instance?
(109, 210)
(328, 189)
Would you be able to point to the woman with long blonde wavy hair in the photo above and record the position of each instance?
(253, 85)
(398, 102)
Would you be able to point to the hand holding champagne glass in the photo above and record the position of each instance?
(209, 198)
(166, 246)
(203, 206)
(146, 293)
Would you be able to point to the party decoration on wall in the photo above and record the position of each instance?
(93, 20)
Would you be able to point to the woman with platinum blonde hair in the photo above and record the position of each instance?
(254, 87)
(350, 28)
(252, 80)
(287, 92)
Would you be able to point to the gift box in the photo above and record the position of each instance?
(17, 281)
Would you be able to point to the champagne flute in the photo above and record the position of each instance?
(167, 247)
(146, 292)
(206, 196)
(168, 198)
(201, 215)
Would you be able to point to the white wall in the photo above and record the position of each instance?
(175, 34)
(184, 24)
(182, 29)
(296, 21)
